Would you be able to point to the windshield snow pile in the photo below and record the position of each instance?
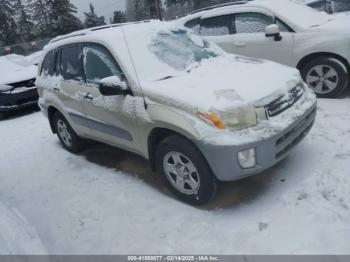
(179, 50)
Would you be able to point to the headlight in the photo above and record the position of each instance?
(234, 118)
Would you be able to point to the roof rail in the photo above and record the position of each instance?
(86, 31)
(59, 38)
(239, 2)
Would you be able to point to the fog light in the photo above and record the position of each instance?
(246, 158)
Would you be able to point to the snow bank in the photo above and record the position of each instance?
(16, 235)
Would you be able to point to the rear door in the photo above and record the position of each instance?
(71, 87)
(112, 119)
(219, 30)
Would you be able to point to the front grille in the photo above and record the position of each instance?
(284, 102)
(285, 143)
(28, 83)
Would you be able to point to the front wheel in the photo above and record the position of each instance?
(327, 76)
(185, 171)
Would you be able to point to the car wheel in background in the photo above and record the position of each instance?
(327, 76)
(185, 171)
(69, 139)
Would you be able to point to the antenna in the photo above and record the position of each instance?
(133, 65)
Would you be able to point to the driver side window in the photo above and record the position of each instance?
(252, 22)
(99, 64)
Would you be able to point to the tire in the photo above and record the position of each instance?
(68, 138)
(327, 76)
(2, 116)
(175, 158)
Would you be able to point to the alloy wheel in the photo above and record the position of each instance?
(181, 173)
(322, 78)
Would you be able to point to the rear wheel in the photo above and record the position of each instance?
(327, 76)
(69, 139)
(185, 171)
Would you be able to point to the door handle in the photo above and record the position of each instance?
(239, 44)
(88, 96)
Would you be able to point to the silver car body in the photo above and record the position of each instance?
(166, 99)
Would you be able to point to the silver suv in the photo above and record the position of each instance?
(198, 114)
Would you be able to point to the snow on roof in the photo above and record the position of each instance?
(294, 12)
(129, 43)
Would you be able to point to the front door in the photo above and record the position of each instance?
(250, 40)
(111, 119)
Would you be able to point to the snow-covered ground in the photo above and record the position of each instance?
(106, 201)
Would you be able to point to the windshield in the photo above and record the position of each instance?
(179, 49)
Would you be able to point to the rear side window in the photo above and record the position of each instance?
(216, 26)
(71, 63)
(252, 22)
(99, 64)
(49, 64)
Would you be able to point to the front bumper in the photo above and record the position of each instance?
(17, 99)
(223, 159)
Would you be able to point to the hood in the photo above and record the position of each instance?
(223, 83)
(337, 22)
(15, 69)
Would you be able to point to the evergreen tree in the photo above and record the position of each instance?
(63, 17)
(118, 17)
(92, 20)
(140, 9)
(8, 28)
(25, 26)
(40, 12)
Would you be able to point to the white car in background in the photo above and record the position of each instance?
(284, 31)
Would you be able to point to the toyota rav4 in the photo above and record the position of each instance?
(198, 114)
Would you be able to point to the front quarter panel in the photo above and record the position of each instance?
(178, 121)
(308, 43)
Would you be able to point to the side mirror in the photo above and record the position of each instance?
(113, 86)
(273, 31)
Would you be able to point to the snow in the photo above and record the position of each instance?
(107, 201)
(16, 235)
(233, 86)
(15, 68)
(294, 12)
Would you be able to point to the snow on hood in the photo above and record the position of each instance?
(223, 82)
(337, 22)
(15, 68)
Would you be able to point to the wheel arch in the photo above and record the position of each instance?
(312, 56)
(156, 136)
(50, 113)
